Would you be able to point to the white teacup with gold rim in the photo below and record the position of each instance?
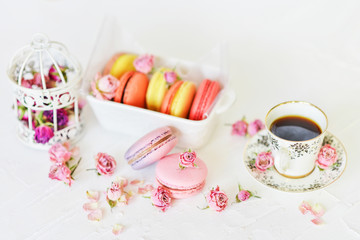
(296, 131)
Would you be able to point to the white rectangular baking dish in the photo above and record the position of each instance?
(137, 121)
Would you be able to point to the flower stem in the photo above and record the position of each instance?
(76, 165)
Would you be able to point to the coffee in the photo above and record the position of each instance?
(295, 128)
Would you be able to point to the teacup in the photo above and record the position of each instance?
(296, 131)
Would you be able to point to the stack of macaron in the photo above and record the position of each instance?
(131, 79)
(181, 179)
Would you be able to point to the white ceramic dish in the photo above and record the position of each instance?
(137, 121)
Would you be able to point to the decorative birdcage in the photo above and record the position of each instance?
(46, 80)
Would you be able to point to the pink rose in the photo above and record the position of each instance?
(239, 128)
(105, 164)
(160, 197)
(217, 199)
(254, 127)
(37, 81)
(243, 195)
(104, 88)
(60, 153)
(187, 159)
(114, 193)
(54, 75)
(170, 77)
(144, 63)
(327, 157)
(264, 160)
(27, 83)
(60, 172)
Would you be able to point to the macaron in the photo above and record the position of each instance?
(181, 183)
(157, 89)
(119, 64)
(178, 99)
(204, 98)
(132, 89)
(151, 147)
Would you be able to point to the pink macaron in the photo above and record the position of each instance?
(181, 182)
(151, 147)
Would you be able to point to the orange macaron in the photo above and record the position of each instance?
(178, 99)
(205, 96)
(132, 89)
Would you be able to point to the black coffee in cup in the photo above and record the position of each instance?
(295, 128)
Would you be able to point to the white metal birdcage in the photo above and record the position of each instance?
(46, 80)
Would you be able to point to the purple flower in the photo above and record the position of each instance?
(239, 128)
(62, 116)
(54, 75)
(43, 134)
(170, 77)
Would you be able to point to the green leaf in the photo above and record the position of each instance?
(239, 187)
(237, 199)
(146, 197)
(195, 165)
(75, 166)
(112, 203)
(203, 208)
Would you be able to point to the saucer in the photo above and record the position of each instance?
(316, 180)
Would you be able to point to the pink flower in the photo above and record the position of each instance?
(160, 197)
(54, 75)
(255, 126)
(170, 77)
(264, 160)
(327, 157)
(43, 134)
(27, 83)
(187, 159)
(104, 88)
(114, 193)
(60, 172)
(105, 164)
(60, 153)
(239, 128)
(217, 199)
(243, 195)
(144, 63)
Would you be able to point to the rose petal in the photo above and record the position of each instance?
(90, 206)
(305, 207)
(142, 190)
(318, 210)
(93, 195)
(317, 221)
(117, 228)
(136, 182)
(149, 187)
(95, 215)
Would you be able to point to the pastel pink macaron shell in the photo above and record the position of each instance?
(151, 147)
(181, 183)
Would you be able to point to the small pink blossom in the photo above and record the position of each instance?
(60, 153)
(60, 172)
(105, 87)
(55, 75)
(255, 127)
(170, 77)
(187, 159)
(327, 157)
(239, 128)
(217, 199)
(27, 83)
(264, 160)
(161, 199)
(105, 164)
(115, 191)
(144, 63)
(136, 182)
(243, 195)
(146, 189)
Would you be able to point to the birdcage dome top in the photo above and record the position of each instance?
(44, 65)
